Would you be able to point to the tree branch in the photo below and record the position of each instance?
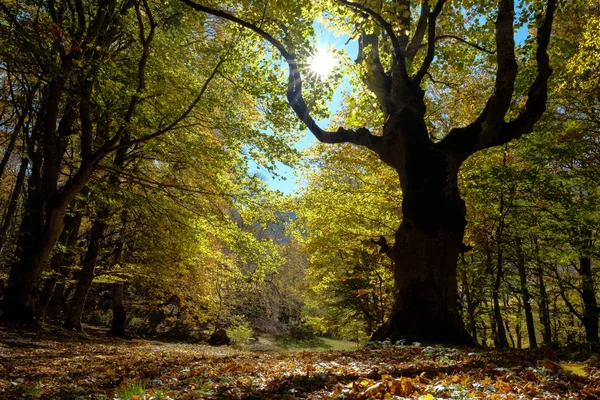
(379, 82)
(490, 129)
(387, 27)
(361, 136)
(417, 39)
(431, 23)
(459, 39)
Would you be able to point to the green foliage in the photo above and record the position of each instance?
(130, 391)
(239, 331)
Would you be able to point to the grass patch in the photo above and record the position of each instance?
(315, 344)
(132, 391)
(290, 343)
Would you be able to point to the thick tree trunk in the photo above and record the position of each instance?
(87, 273)
(590, 305)
(34, 246)
(119, 316)
(428, 243)
(525, 294)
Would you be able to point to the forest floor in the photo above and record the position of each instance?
(53, 364)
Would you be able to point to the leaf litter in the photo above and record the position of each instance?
(57, 365)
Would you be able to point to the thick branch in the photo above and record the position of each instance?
(387, 27)
(376, 79)
(431, 24)
(499, 103)
(360, 136)
(417, 39)
(538, 91)
(490, 129)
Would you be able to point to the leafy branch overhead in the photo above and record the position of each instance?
(398, 91)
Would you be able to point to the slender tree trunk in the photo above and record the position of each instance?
(13, 203)
(590, 305)
(59, 300)
(67, 239)
(543, 303)
(525, 294)
(8, 151)
(119, 319)
(493, 326)
(510, 335)
(470, 304)
(55, 303)
(87, 273)
(425, 254)
(518, 327)
(500, 339)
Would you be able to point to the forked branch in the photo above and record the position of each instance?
(490, 128)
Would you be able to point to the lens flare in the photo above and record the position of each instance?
(322, 63)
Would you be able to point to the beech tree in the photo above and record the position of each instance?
(399, 47)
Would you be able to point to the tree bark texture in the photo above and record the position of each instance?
(426, 252)
(543, 302)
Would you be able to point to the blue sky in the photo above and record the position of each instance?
(290, 183)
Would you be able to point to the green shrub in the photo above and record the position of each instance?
(239, 331)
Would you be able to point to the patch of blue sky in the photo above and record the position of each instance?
(285, 179)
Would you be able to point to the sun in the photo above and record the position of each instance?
(322, 63)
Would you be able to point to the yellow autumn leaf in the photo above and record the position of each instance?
(575, 369)
(428, 396)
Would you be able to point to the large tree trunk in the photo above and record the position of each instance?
(34, 246)
(590, 305)
(525, 294)
(428, 243)
(119, 316)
